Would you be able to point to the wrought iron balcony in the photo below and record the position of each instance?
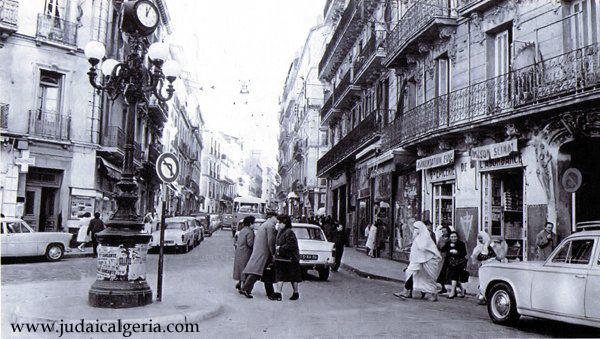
(4, 115)
(114, 137)
(152, 152)
(558, 80)
(368, 65)
(327, 105)
(466, 7)
(9, 17)
(349, 27)
(366, 131)
(49, 125)
(346, 92)
(158, 110)
(422, 21)
(57, 30)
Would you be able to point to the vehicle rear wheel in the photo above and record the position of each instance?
(323, 273)
(501, 304)
(54, 252)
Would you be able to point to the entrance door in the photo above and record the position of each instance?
(47, 219)
(33, 197)
(342, 211)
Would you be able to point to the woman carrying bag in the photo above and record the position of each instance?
(456, 262)
(82, 235)
(287, 258)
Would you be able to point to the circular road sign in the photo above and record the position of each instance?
(167, 167)
(571, 180)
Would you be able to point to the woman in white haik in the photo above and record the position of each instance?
(425, 264)
(370, 232)
(82, 235)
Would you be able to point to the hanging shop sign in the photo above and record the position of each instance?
(571, 180)
(441, 173)
(501, 163)
(495, 151)
(436, 160)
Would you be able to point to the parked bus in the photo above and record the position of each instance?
(245, 206)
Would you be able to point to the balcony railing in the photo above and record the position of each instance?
(337, 35)
(326, 106)
(49, 124)
(154, 150)
(556, 78)
(371, 48)
(4, 115)
(349, 144)
(57, 30)
(9, 15)
(114, 137)
(416, 19)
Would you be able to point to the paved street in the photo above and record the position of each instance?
(347, 305)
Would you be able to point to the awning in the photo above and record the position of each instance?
(111, 170)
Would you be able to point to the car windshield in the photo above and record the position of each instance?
(17, 227)
(175, 225)
(308, 233)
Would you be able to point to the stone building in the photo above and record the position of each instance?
(211, 172)
(492, 121)
(301, 141)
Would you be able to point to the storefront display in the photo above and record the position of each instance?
(503, 211)
(81, 205)
(443, 204)
(407, 208)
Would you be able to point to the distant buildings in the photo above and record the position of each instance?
(301, 141)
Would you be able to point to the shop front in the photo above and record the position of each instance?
(381, 178)
(406, 210)
(363, 206)
(439, 181)
(503, 192)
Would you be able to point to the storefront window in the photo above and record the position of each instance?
(443, 204)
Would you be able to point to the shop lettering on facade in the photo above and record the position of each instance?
(441, 173)
(495, 151)
(436, 160)
(501, 163)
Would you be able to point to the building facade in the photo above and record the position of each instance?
(491, 119)
(211, 176)
(301, 141)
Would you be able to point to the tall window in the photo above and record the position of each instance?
(49, 98)
(583, 23)
(410, 95)
(442, 76)
(502, 43)
(54, 8)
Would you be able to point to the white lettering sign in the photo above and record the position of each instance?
(436, 160)
(494, 151)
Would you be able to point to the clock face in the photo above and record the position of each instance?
(147, 14)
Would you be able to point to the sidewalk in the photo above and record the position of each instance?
(384, 269)
(76, 253)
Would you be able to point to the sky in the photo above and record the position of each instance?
(234, 43)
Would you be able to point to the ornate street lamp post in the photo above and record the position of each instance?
(121, 264)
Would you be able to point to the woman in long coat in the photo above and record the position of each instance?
(455, 262)
(262, 256)
(287, 257)
(243, 250)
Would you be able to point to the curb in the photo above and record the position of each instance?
(189, 317)
(78, 255)
(368, 275)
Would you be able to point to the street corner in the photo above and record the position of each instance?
(76, 310)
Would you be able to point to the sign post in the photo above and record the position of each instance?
(167, 169)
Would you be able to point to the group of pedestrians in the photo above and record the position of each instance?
(376, 235)
(271, 255)
(336, 233)
(440, 258)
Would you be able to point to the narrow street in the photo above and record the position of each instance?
(346, 305)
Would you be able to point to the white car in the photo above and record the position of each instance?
(179, 234)
(316, 253)
(20, 240)
(566, 287)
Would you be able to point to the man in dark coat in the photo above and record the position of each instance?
(96, 226)
(339, 239)
(262, 257)
(243, 251)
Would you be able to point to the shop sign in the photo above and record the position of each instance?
(494, 151)
(364, 193)
(441, 174)
(436, 160)
(501, 163)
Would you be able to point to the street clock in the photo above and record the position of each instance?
(140, 17)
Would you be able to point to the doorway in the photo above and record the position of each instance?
(587, 197)
(41, 208)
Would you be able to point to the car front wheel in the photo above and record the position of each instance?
(323, 274)
(501, 304)
(54, 252)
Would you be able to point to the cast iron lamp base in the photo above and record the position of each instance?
(119, 294)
